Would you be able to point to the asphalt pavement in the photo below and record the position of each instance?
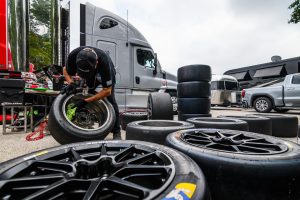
(14, 144)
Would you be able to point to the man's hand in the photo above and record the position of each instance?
(100, 95)
(79, 104)
(69, 89)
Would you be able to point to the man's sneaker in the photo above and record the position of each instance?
(117, 136)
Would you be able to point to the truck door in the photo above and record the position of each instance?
(109, 48)
(144, 77)
(292, 92)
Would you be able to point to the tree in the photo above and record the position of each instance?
(40, 49)
(295, 16)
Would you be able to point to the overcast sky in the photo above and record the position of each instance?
(224, 34)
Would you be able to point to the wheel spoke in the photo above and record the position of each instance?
(124, 154)
(75, 154)
(219, 134)
(141, 159)
(236, 148)
(44, 192)
(210, 144)
(30, 183)
(197, 141)
(197, 137)
(236, 136)
(270, 147)
(92, 189)
(201, 133)
(62, 189)
(142, 171)
(257, 140)
(126, 188)
(254, 149)
(53, 166)
(103, 150)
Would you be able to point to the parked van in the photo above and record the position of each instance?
(224, 90)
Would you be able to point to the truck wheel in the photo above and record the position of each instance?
(280, 110)
(194, 73)
(160, 106)
(256, 124)
(131, 116)
(154, 130)
(263, 105)
(103, 170)
(195, 89)
(184, 117)
(242, 165)
(220, 123)
(194, 105)
(93, 122)
(282, 125)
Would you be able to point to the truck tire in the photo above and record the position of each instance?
(160, 106)
(282, 125)
(219, 123)
(242, 165)
(85, 125)
(256, 124)
(184, 117)
(194, 105)
(195, 89)
(131, 116)
(194, 73)
(263, 105)
(280, 110)
(126, 170)
(154, 131)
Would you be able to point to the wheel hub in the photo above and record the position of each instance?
(84, 118)
(93, 116)
(101, 168)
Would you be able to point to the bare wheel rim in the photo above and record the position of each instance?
(102, 171)
(94, 116)
(262, 105)
(232, 142)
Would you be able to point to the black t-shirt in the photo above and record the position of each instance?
(105, 70)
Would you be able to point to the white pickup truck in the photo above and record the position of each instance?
(281, 96)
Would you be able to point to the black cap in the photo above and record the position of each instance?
(86, 61)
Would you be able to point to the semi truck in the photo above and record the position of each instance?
(79, 23)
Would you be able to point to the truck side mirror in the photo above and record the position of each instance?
(155, 64)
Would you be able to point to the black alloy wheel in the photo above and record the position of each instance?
(232, 141)
(242, 165)
(99, 170)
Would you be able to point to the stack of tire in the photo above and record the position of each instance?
(193, 91)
